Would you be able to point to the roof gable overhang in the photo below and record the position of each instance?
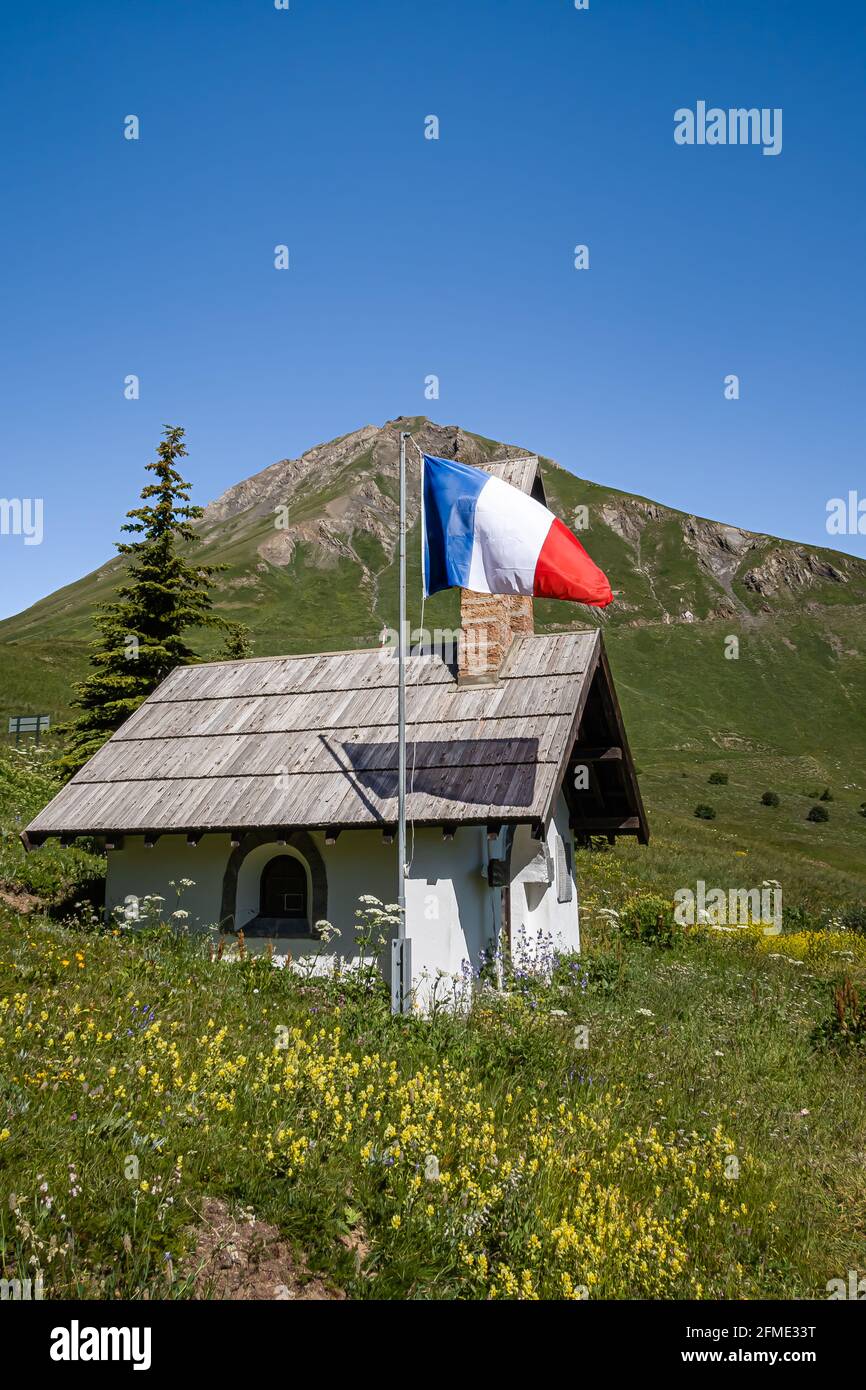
(599, 779)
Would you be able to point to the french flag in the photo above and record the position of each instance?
(480, 533)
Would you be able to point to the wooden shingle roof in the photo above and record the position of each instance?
(311, 741)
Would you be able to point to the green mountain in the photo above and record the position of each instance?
(309, 545)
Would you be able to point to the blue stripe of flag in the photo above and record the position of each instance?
(450, 495)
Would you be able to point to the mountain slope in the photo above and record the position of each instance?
(310, 543)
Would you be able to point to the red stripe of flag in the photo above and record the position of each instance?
(564, 570)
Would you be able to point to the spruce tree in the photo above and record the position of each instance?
(142, 632)
(238, 644)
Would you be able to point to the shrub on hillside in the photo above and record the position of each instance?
(826, 795)
(28, 781)
(770, 799)
(818, 813)
(800, 919)
(648, 917)
(61, 878)
(704, 812)
(718, 779)
(854, 919)
(845, 1028)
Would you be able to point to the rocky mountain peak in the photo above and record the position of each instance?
(336, 500)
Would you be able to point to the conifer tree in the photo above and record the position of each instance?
(143, 630)
(238, 644)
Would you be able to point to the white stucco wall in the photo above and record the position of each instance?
(452, 915)
(134, 872)
(539, 923)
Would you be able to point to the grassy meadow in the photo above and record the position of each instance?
(669, 1116)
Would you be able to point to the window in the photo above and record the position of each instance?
(563, 871)
(284, 889)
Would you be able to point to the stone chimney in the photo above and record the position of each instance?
(490, 622)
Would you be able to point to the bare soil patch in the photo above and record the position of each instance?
(21, 902)
(240, 1258)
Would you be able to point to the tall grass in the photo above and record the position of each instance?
(650, 1123)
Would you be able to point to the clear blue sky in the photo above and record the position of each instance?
(411, 256)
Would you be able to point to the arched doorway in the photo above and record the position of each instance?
(300, 904)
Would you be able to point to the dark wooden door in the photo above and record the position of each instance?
(284, 889)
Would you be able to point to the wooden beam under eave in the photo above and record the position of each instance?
(603, 825)
(596, 755)
(32, 841)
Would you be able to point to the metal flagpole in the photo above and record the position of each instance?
(401, 972)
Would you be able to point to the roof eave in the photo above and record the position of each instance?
(34, 839)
